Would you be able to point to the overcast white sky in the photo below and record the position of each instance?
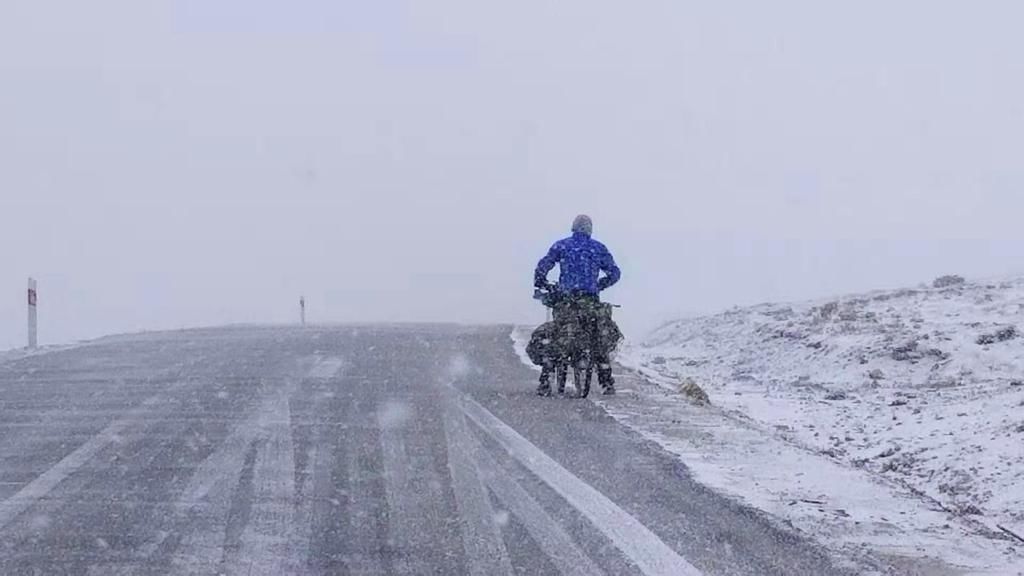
(176, 163)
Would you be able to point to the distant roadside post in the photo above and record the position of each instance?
(33, 299)
(302, 310)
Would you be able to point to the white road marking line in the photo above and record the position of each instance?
(42, 485)
(552, 539)
(485, 549)
(648, 552)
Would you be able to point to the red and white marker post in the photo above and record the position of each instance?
(33, 300)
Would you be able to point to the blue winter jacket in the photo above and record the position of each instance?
(581, 259)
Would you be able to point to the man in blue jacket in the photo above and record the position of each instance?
(586, 267)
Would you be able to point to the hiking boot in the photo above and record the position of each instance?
(609, 391)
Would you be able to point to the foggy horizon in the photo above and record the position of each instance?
(181, 164)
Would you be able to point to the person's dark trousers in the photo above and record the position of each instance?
(544, 388)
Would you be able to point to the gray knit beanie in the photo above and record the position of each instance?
(583, 224)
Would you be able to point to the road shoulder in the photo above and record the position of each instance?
(865, 520)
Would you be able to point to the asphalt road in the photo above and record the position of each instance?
(347, 450)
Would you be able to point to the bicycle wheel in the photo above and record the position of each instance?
(561, 375)
(581, 374)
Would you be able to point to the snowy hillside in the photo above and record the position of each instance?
(921, 386)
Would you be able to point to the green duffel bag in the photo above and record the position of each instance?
(543, 348)
(608, 334)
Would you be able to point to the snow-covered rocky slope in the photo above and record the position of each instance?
(920, 386)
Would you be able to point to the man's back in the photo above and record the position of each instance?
(581, 261)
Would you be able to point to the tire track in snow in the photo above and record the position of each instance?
(417, 519)
(366, 535)
(326, 368)
(267, 541)
(485, 549)
(404, 513)
(272, 542)
(208, 497)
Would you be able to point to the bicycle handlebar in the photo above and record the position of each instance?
(548, 294)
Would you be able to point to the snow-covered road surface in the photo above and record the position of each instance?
(370, 450)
